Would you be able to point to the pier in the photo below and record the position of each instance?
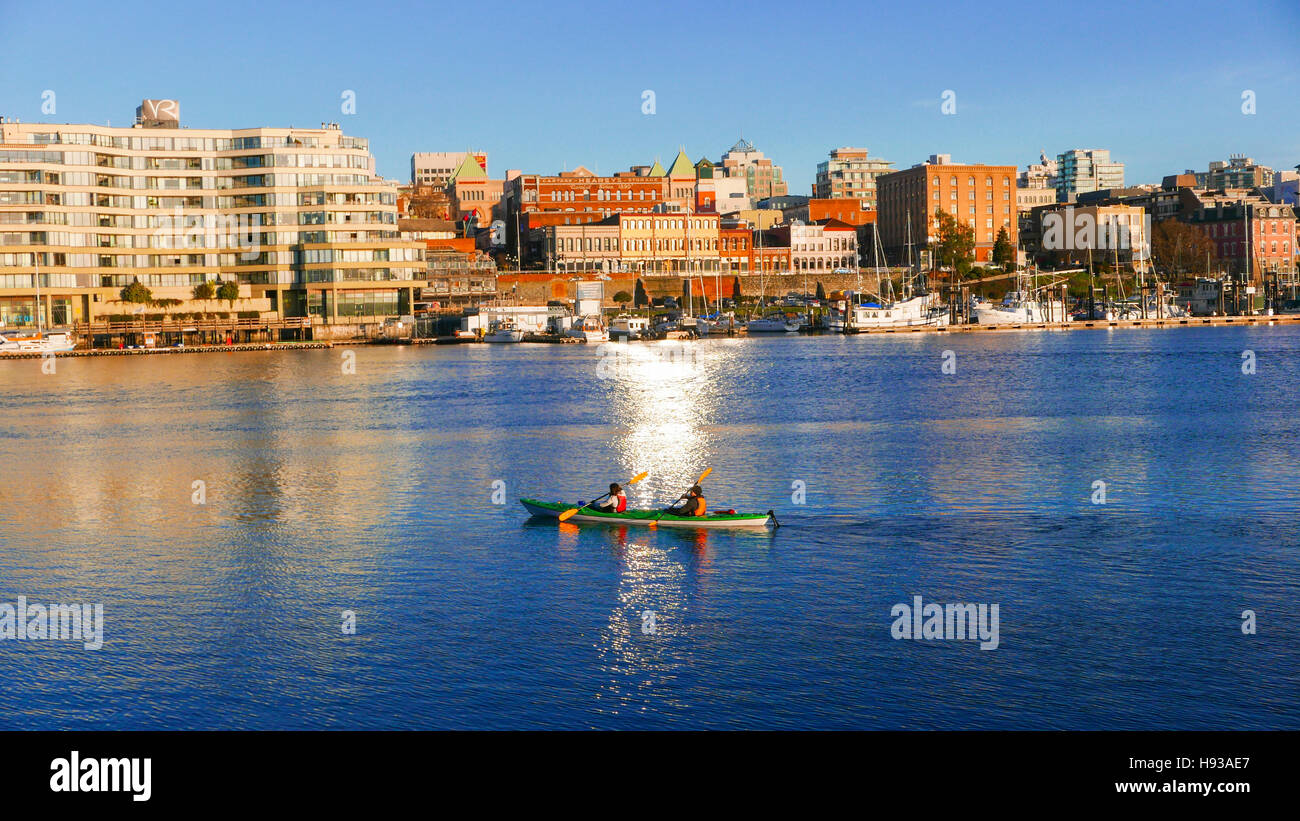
(242, 346)
(1168, 322)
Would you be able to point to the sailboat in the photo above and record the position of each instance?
(42, 342)
(913, 310)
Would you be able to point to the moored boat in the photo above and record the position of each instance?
(775, 323)
(626, 328)
(40, 342)
(504, 331)
(588, 329)
(644, 518)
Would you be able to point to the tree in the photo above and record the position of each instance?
(639, 298)
(735, 290)
(954, 244)
(821, 291)
(1003, 253)
(204, 290)
(229, 291)
(137, 293)
(1180, 248)
(623, 298)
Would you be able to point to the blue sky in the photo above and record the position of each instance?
(543, 86)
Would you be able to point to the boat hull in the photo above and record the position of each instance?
(644, 518)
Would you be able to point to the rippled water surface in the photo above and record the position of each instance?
(373, 492)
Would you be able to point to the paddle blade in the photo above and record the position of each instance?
(704, 476)
(564, 517)
(638, 477)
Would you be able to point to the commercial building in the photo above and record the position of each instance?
(437, 167)
(668, 243)
(296, 217)
(1086, 169)
(475, 199)
(824, 248)
(1239, 171)
(762, 178)
(981, 196)
(850, 174)
(1249, 233)
(1073, 234)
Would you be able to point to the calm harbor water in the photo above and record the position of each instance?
(373, 492)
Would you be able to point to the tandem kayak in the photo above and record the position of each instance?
(643, 518)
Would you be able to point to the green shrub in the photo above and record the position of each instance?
(136, 293)
(250, 314)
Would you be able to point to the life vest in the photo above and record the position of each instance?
(622, 503)
(699, 506)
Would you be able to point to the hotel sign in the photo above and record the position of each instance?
(159, 113)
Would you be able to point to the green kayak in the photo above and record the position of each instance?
(645, 517)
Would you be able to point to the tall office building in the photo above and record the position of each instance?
(1080, 170)
(296, 217)
(850, 174)
(762, 177)
(981, 196)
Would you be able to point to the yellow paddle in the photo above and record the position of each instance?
(564, 517)
(655, 521)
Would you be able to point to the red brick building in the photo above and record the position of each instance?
(1224, 217)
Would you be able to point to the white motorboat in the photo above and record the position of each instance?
(918, 311)
(1018, 309)
(504, 330)
(39, 342)
(774, 323)
(625, 328)
(588, 329)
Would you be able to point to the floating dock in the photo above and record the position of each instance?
(243, 346)
(1169, 322)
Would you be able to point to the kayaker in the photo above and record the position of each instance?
(617, 501)
(692, 505)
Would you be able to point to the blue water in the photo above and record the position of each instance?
(374, 492)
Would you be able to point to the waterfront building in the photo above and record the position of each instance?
(475, 199)
(668, 243)
(296, 217)
(1072, 234)
(589, 247)
(436, 168)
(981, 196)
(534, 201)
(850, 174)
(848, 211)
(1239, 171)
(682, 184)
(735, 250)
(1086, 169)
(819, 248)
(762, 177)
(1250, 234)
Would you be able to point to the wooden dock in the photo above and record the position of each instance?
(243, 346)
(1175, 322)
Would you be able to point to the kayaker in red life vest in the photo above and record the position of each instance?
(617, 501)
(693, 505)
